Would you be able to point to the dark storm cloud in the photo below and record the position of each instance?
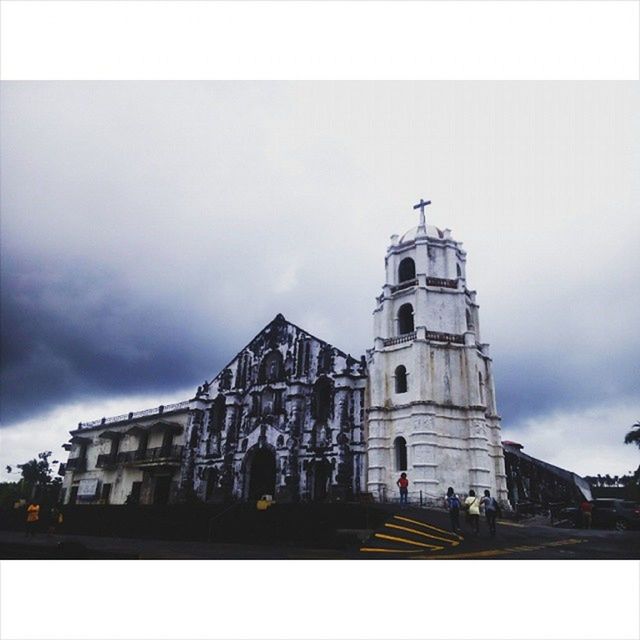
(72, 332)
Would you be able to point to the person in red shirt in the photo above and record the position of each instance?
(585, 509)
(403, 483)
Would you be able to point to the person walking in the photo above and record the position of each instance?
(472, 505)
(452, 503)
(403, 484)
(490, 511)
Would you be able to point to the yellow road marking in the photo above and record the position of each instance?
(428, 526)
(384, 536)
(453, 543)
(491, 553)
(377, 550)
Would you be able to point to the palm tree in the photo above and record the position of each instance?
(634, 435)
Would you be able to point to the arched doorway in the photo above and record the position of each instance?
(262, 473)
(320, 479)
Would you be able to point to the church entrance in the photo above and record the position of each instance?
(320, 479)
(262, 474)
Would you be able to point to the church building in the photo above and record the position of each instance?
(296, 418)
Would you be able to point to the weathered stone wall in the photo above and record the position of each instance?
(288, 407)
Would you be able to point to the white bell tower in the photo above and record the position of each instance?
(432, 408)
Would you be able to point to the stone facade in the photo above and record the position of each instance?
(432, 409)
(284, 418)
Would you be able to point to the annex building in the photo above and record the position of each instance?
(299, 419)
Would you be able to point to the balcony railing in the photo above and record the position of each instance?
(134, 415)
(440, 336)
(155, 454)
(407, 337)
(76, 464)
(407, 284)
(442, 282)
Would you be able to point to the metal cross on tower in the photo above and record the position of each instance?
(421, 205)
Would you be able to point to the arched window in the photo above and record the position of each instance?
(304, 357)
(324, 360)
(322, 400)
(401, 379)
(458, 271)
(481, 387)
(469, 321)
(272, 368)
(400, 449)
(406, 270)
(405, 319)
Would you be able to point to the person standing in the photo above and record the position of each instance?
(33, 517)
(403, 484)
(490, 511)
(452, 503)
(585, 510)
(472, 505)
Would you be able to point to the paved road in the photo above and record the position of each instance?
(411, 533)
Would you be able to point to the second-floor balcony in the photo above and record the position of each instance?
(166, 455)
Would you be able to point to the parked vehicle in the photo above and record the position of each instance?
(607, 514)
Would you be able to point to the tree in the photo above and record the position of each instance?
(37, 478)
(633, 437)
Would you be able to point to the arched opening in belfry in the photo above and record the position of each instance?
(406, 270)
(400, 450)
(405, 319)
(401, 379)
(261, 469)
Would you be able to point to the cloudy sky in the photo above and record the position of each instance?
(149, 230)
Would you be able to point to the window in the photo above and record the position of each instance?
(400, 448)
(324, 360)
(481, 387)
(243, 371)
(405, 319)
(401, 379)
(218, 414)
(322, 400)
(272, 368)
(458, 271)
(406, 270)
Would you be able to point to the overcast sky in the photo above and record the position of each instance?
(150, 230)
